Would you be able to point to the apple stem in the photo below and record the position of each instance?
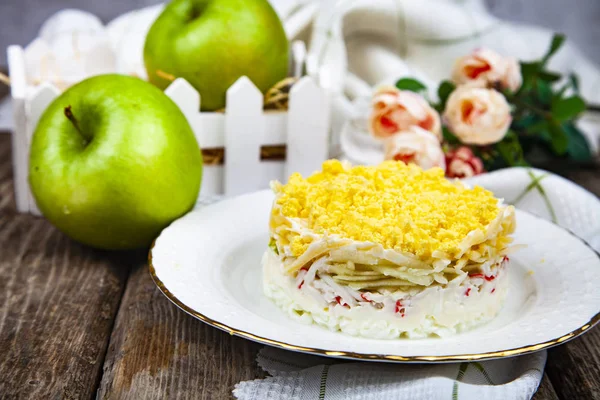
(165, 75)
(71, 117)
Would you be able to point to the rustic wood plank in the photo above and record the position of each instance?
(58, 300)
(157, 351)
(545, 390)
(7, 198)
(574, 367)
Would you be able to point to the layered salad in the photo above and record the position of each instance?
(388, 251)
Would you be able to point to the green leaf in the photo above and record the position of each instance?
(449, 136)
(510, 149)
(544, 92)
(569, 108)
(538, 127)
(410, 84)
(523, 123)
(574, 80)
(578, 148)
(446, 88)
(560, 93)
(572, 83)
(549, 76)
(560, 140)
(557, 42)
(491, 157)
(529, 71)
(529, 68)
(545, 135)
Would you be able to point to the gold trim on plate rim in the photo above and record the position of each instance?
(379, 357)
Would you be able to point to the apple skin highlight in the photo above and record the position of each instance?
(113, 161)
(212, 43)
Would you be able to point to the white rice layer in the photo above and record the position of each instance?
(435, 311)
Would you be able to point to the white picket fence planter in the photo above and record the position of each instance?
(241, 130)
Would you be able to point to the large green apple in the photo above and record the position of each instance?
(113, 161)
(211, 43)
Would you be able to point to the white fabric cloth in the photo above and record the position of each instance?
(299, 376)
(303, 377)
(357, 45)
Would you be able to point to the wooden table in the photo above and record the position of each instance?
(77, 323)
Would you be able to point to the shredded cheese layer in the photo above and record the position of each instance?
(398, 206)
(391, 215)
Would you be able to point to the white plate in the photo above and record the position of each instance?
(208, 264)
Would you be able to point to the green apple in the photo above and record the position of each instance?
(113, 161)
(212, 43)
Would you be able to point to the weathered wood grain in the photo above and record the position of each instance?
(157, 351)
(574, 368)
(58, 300)
(7, 198)
(545, 390)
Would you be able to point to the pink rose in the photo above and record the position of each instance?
(396, 111)
(512, 79)
(477, 116)
(415, 146)
(462, 163)
(486, 68)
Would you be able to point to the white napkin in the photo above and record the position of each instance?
(299, 376)
(304, 377)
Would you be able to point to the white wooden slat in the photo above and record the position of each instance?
(19, 155)
(210, 130)
(212, 180)
(308, 128)
(44, 95)
(275, 127)
(185, 96)
(17, 71)
(270, 171)
(188, 101)
(241, 130)
(16, 63)
(244, 132)
(40, 100)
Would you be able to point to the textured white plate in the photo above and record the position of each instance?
(208, 264)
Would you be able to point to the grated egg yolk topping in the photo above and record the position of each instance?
(398, 206)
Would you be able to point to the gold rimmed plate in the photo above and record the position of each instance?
(208, 263)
